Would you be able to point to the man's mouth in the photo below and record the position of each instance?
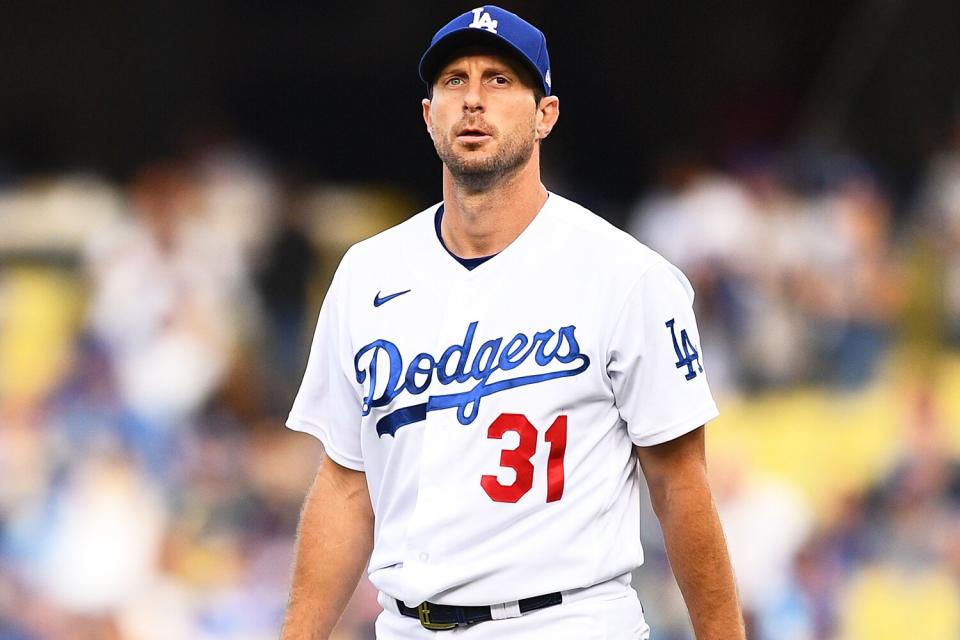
(472, 135)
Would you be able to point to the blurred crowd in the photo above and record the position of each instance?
(151, 340)
(811, 274)
(153, 333)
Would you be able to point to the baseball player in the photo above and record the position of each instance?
(485, 378)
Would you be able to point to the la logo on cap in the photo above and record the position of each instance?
(482, 20)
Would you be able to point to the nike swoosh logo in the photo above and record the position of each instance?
(377, 300)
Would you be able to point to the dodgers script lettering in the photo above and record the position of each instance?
(380, 366)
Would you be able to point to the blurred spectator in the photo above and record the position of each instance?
(939, 208)
(283, 280)
(807, 606)
(765, 523)
(915, 507)
(789, 284)
(701, 220)
(851, 289)
(236, 195)
(102, 538)
(164, 296)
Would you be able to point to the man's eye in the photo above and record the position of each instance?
(500, 80)
(455, 82)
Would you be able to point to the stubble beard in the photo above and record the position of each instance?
(481, 174)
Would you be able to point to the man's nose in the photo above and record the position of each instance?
(473, 98)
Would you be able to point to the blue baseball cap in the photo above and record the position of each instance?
(491, 26)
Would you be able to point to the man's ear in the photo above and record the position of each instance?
(427, 119)
(548, 112)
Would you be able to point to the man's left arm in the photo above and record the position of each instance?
(676, 475)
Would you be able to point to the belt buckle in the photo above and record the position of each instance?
(423, 612)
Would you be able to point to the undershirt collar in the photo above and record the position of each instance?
(469, 263)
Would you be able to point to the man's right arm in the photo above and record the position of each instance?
(334, 543)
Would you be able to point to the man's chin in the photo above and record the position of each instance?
(474, 165)
(479, 168)
(474, 153)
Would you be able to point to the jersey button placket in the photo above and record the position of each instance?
(433, 457)
(455, 315)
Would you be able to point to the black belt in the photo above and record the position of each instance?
(439, 617)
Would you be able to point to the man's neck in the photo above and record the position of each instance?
(483, 223)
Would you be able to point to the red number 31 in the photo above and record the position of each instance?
(519, 459)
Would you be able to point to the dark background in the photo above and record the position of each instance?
(330, 90)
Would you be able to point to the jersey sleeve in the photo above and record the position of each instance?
(655, 362)
(327, 405)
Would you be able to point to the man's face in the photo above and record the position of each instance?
(483, 116)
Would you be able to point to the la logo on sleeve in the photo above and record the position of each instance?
(687, 352)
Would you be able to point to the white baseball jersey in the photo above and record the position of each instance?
(494, 410)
